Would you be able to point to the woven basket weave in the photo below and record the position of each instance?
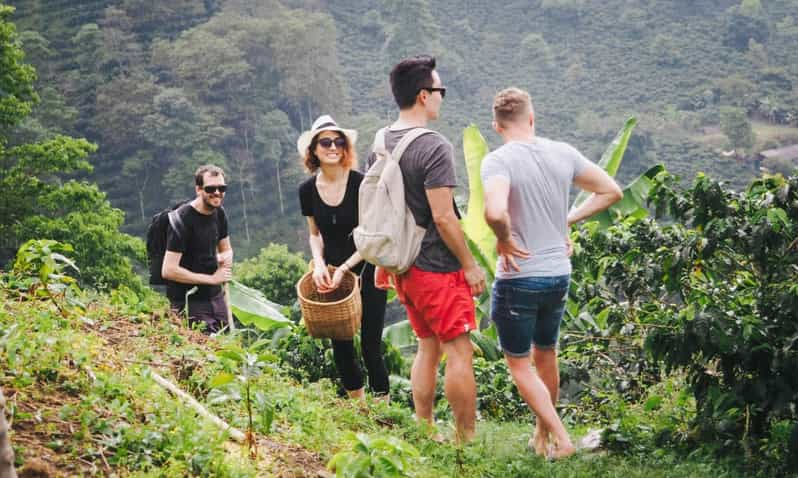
(331, 315)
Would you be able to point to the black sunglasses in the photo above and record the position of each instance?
(212, 189)
(328, 142)
(442, 90)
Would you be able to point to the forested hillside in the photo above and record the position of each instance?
(161, 88)
(678, 348)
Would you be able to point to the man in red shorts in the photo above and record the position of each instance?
(438, 289)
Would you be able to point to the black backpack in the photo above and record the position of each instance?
(156, 239)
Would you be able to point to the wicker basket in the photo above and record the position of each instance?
(331, 315)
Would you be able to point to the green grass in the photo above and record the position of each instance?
(122, 421)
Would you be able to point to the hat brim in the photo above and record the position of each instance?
(303, 143)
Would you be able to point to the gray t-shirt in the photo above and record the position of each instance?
(428, 163)
(540, 175)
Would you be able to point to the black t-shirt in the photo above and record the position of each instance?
(198, 243)
(334, 222)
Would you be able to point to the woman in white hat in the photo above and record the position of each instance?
(329, 200)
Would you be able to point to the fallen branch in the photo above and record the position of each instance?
(6, 452)
(235, 433)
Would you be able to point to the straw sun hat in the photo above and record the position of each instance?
(323, 123)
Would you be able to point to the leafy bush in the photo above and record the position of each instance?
(714, 295)
(374, 456)
(274, 271)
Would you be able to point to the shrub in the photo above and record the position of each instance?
(274, 271)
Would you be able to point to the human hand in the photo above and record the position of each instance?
(321, 277)
(223, 274)
(383, 279)
(475, 278)
(569, 246)
(337, 278)
(508, 250)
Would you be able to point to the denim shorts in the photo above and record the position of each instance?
(527, 311)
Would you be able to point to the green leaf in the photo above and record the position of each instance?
(488, 347)
(611, 159)
(400, 334)
(778, 216)
(252, 308)
(65, 260)
(476, 229)
(221, 379)
(634, 200)
(653, 403)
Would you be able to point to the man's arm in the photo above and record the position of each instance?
(440, 202)
(497, 193)
(606, 192)
(171, 270)
(224, 252)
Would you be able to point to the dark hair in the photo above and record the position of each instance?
(199, 178)
(348, 154)
(410, 76)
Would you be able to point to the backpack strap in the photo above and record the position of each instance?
(175, 221)
(408, 138)
(379, 142)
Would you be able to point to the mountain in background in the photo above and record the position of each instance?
(162, 87)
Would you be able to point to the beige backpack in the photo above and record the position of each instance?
(387, 234)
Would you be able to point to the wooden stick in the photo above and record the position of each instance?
(235, 433)
(6, 452)
(229, 307)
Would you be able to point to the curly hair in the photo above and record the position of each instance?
(510, 104)
(348, 154)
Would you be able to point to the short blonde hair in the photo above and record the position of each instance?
(510, 105)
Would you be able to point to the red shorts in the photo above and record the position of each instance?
(438, 303)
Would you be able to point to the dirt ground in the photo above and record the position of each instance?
(49, 445)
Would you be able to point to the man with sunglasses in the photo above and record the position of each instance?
(198, 253)
(437, 290)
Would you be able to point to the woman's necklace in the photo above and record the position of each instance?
(332, 193)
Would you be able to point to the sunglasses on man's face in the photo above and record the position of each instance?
(328, 142)
(212, 189)
(441, 90)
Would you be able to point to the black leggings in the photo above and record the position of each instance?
(370, 341)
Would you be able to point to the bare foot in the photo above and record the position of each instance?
(562, 451)
(539, 443)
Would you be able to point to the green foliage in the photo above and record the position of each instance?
(306, 359)
(274, 271)
(246, 366)
(45, 260)
(715, 297)
(17, 79)
(497, 395)
(737, 128)
(38, 204)
(252, 308)
(373, 456)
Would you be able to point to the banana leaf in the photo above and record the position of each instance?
(400, 335)
(251, 307)
(612, 157)
(486, 345)
(480, 236)
(633, 203)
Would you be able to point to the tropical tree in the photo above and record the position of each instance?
(737, 128)
(37, 203)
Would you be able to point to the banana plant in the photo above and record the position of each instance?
(482, 242)
(251, 307)
(480, 238)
